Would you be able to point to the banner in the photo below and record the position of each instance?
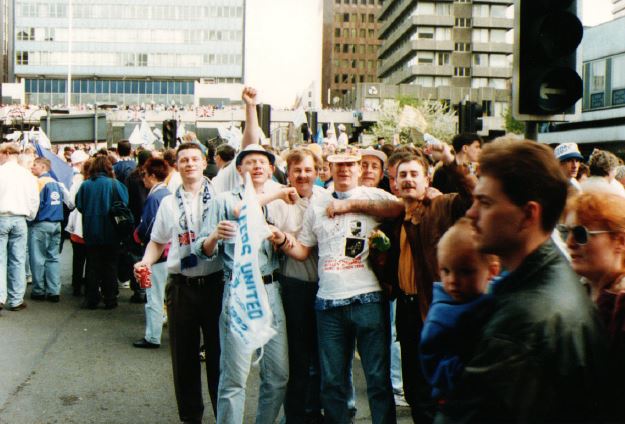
(248, 307)
(60, 170)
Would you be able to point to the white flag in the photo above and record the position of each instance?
(300, 117)
(248, 309)
(135, 137)
(147, 136)
(44, 141)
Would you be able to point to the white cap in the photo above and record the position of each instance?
(370, 151)
(566, 151)
(78, 156)
(341, 127)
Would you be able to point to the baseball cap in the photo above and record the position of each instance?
(344, 157)
(370, 151)
(254, 148)
(566, 151)
(78, 156)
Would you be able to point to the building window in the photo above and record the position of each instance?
(462, 72)
(337, 32)
(337, 48)
(462, 47)
(480, 59)
(26, 34)
(425, 57)
(425, 33)
(618, 80)
(442, 59)
(21, 58)
(462, 22)
(371, 18)
(345, 17)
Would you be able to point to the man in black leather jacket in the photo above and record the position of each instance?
(541, 356)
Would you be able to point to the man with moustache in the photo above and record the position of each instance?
(541, 355)
(411, 266)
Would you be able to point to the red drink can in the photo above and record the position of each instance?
(145, 282)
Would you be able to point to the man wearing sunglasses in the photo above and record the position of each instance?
(541, 355)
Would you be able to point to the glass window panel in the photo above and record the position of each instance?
(149, 87)
(142, 87)
(28, 86)
(618, 71)
(127, 87)
(84, 87)
(105, 86)
(170, 87)
(75, 86)
(597, 80)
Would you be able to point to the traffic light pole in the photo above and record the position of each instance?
(531, 130)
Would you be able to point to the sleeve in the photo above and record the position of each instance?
(307, 236)
(78, 199)
(122, 191)
(163, 228)
(147, 219)
(214, 216)
(33, 198)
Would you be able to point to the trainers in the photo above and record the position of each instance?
(29, 279)
(54, 298)
(400, 400)
(17, 307)
(124, 284)
(38, 297)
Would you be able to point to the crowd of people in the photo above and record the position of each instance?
(477, 283)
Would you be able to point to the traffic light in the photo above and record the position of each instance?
(475, 117)
(170, 128)
(545, 80)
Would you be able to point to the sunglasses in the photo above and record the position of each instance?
(580, 233)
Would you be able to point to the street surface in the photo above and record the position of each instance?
(63, 364)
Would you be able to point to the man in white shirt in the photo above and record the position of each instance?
(350, 305)
(19, 201)
(195, 287)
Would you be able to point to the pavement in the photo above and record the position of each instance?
(63, 364)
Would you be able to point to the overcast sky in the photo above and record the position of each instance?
(283, 45)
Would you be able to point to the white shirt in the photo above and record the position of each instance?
(19, 191)
(289, 218)
(343, 246)
(167, 228)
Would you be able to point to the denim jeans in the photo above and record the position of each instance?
(235, 368)
(43, 246)
(154, 306)
(303, 390)
(13, 243)
(340, 330)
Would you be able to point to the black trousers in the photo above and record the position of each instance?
(101, 274)
(303, 397)
(193, 310)
(417, 390)
(79, 258)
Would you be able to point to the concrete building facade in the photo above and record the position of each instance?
(120, 51)
(350, 47)
(454, 50)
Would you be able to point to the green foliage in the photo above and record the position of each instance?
(511, 124)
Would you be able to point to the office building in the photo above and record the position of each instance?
(126, 52)
(350, 47)
(453, 50)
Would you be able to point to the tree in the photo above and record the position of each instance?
(410, 118)
(512, 125)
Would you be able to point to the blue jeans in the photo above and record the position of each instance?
(43, 246)
(235, 368)
(13, 243)
(154, 306)
(340, 330)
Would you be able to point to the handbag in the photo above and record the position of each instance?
(120, 214)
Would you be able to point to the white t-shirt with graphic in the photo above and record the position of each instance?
(343, 243)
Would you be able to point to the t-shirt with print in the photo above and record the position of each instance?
(343, 243)
(168, 226)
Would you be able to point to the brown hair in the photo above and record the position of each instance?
(101, 164)
(157, 167)
(463, 232)
(187, 146)
(408, 157)
(527, 171)
(86, 168)
(299, 154)
(606, 210)
(602, 162)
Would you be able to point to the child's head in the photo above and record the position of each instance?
(464, 271)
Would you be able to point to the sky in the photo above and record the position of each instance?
(283, 45)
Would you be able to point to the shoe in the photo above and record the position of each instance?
(29, 279)
(1, 306)
(87, 305)
(144, 344)
(17, 307)
(124, 284)
(111, 305)
(138, 298)
(54, 298)
(37, 297)
(400, 400)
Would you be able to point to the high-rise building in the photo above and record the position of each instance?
(454, 50)
(123, 51)
(350, 46)
(618, 8)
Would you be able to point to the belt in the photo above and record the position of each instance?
(201, 281)
(267, 279)
(408, 298)
(270, 278)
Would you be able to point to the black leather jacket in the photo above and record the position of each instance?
(541, 356)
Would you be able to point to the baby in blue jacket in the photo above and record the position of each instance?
(459, 306)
